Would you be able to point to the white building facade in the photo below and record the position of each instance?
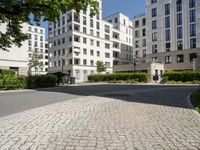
(17, 58)
(78, 41)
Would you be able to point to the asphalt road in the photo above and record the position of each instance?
(15, 102)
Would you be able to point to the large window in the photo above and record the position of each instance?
(179, 19)
(154, 12)
(192, 15)
(167, 22)
(179, 5)
(179, 33)
(154, 36)
(193, 30)
(167, 35)
(154, 24)
(167, 9)
(193, 43)
(168, 59)
(154, 49)
(193, 56)
(180, 45)
(180, 58)
(168, 47)
(192, 3)
(153, 1)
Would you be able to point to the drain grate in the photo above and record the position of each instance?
(116, 95)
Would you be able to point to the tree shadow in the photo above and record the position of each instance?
(173, 96)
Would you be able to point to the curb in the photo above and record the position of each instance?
(195, 112)
(27, 90)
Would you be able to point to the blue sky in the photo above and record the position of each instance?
(127, 7)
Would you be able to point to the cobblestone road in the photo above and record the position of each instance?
(147, 119)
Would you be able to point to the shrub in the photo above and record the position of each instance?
(41, 81)
(183, 76)
(9, 81)
(116, 77)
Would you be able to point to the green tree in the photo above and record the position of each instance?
(101, 67)
(16, 12)
(35, 62)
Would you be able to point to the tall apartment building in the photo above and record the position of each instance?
(17, 58)
(78, 41)
(139, 36)
(173, 35)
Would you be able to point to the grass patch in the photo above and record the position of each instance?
(196, 100)
(180, 82)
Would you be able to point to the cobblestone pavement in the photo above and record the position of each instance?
(153, 119)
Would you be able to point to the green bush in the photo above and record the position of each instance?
(9, 81)
(183, 76)
(41, 81)
(118, 77)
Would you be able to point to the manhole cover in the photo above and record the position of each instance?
(116, 95)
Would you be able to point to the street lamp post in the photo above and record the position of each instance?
(134, 63)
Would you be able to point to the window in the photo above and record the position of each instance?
(91, 23)
(167, 35)
(137, 23)
(92, 62)
(192, 15)
(179, 19)
(153, 1)
(98, 27)
(84, 21)
(84, 30)
(168, 47)
(116, 20)
(91, 42)
(107, 37)
(193, 30)
(136, 44)
(193, 43)
(154, 12)
(84, 51)
(77, 72)
(107, 64)
(84, 40)
(167, 9)
(63, 20)
(179, 33)
(84, 61)
(91, 52)
(154, 36)
(192, 3)
(154, 49)
(180, 45)
(193, 56)
(98, 44)
(85, 74)
(107, 29)
(58, 52)
(168, 59)
(154, 24)
(143, 32)
(98, 34)
(63, 40)
(180, 58)
(107, 55)
(167, 22)
(98, 53)
(63, 51)
(144, 42)
(91, 32)
(144, 22)
(144, 53)
(179, 5)
(107, 46)
(137, 33)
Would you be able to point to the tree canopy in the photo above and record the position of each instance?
(101, 67)
(16, 12)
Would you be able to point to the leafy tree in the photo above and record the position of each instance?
(101, 67)
(16, 12)
(35, 62)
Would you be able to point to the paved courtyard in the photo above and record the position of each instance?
(135, 117)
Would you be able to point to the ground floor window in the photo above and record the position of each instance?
(77, 73)
(85, 74)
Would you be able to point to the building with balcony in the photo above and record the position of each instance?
(78, 41)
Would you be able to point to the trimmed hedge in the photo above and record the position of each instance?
(183, 76)
(139, 77)
(9, 81)
(41, 81)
